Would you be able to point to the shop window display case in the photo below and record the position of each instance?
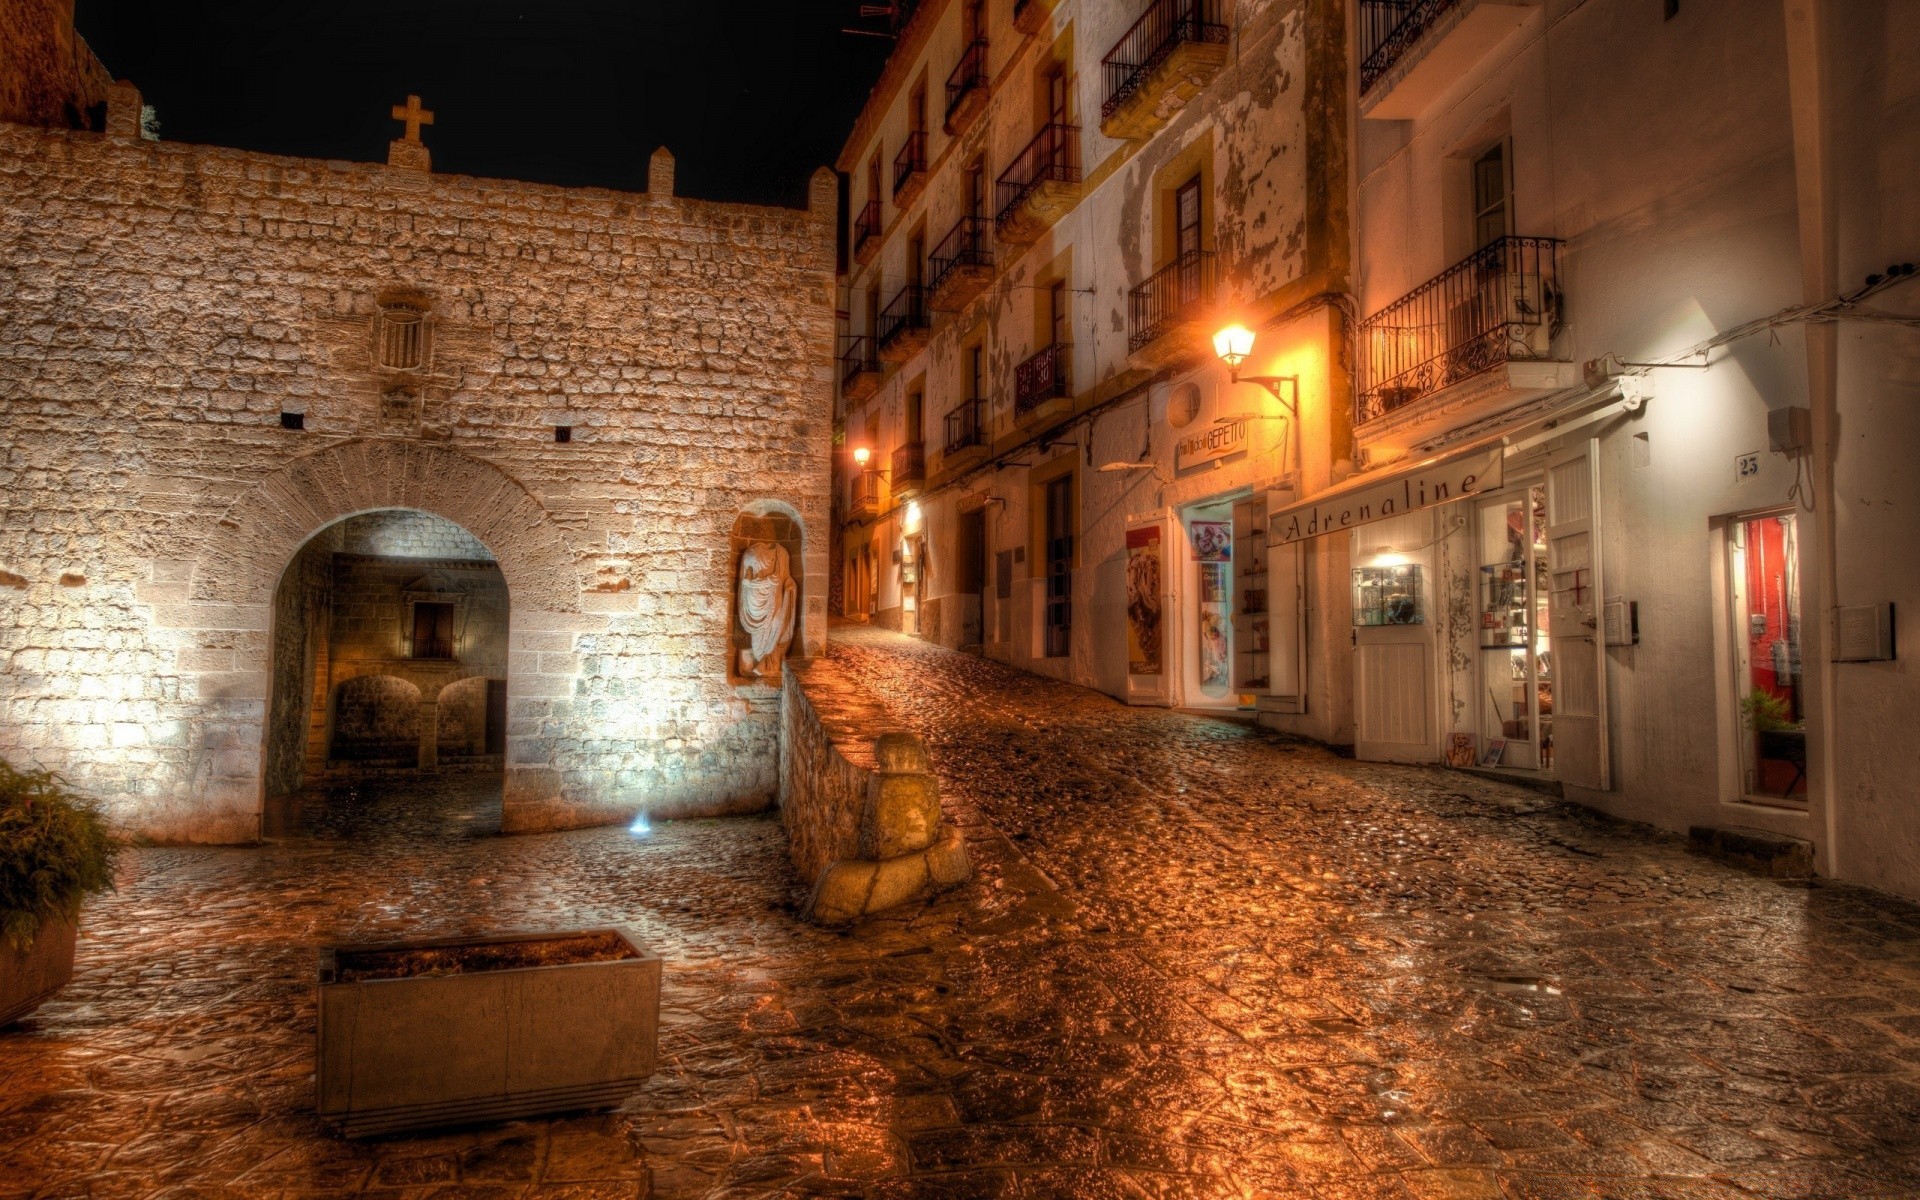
(1388, 595)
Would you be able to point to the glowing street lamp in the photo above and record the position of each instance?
(861, 454)
(1233, 344)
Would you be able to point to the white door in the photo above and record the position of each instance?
(1573, 619)
(1392, 695)
(1393, 675)
(1152, 550)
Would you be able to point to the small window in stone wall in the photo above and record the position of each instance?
(766, 596)
(432, 630)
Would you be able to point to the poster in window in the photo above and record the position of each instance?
(1212, 540)
(1143, 600)
(1213, 648)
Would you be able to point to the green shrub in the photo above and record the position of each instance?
(1765, 712)
(55, 851)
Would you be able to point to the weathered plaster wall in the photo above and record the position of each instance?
(162, 305)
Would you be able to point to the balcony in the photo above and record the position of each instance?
(967, 87)
(1043, 384)
(909, 475)
(1040, 187)
(866, 232)
(859, 367)
(903, 326)
(1030, 16)
(1413, 50)
(961, 266)
(1166, 314)
(910, 168)
(966, 435)
(864, 500)
(1173, 50)
(1499, 307)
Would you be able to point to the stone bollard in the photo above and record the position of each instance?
(905, 853)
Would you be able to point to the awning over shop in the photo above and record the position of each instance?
(1394, 492)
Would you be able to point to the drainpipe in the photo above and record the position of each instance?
(1807, 70)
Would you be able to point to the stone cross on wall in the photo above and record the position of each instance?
(409, 151)
(414, 116)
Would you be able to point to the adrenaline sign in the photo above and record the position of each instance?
(1436, 481)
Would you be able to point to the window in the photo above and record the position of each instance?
(1492, 197)
(1186, 240)
(976, 373)
(917, 108)
(977, 188)
(915, 417)
(1059, 325)
(1056, 92)
(973, 25)
(432, 630)
(917, 260)
(1763, 583)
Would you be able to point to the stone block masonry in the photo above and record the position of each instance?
(859, 800)
(208, 356)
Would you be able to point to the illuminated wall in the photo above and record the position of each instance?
(196, 376)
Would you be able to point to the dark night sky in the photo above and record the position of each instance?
(750, 97)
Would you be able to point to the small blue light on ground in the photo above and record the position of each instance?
(641, 827)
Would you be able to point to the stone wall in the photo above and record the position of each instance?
(859, 801)
(410, 535)
(301, 607)
(164, 305)
(48, 74)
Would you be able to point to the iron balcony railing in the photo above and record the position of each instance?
(966, 426)
(1154, 37)
(1501, 304)
(907, 310)
(1389, 28)
(966, 245)
(1174, 294)
(911, 161)
(970, 74)
(1052, 155)
(1044, 376)
(857, 354)
(867, 224)
(909, 465)
(866, 492)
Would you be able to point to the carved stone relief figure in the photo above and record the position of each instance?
(765, 609)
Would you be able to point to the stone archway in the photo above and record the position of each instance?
(232, 582)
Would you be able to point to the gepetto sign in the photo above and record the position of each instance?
(1438, 481)
(1215, 441)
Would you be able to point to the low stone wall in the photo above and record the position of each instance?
(861, 808)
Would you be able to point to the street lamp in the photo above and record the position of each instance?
(861, 454)
(1233, 344)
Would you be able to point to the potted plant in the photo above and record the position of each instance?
(55, 851)
(1777, 736)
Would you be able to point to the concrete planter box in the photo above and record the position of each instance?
(28, 978)
(460, 1031)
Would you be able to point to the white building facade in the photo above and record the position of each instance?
(1633, 514)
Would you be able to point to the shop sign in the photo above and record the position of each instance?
(1205, 445)
(1437, 481)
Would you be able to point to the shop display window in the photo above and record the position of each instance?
(1764, 580)
(1516, 668)
(1388, 595)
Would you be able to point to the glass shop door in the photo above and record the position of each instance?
(1515, 697)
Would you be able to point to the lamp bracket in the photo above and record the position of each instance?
(1272, 384)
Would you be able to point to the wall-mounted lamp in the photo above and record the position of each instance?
(861, 454)
(1135, 466)
(1233, 344)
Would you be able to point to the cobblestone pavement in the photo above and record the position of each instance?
(1197, 961)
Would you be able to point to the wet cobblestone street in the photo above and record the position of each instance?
(1196, 960)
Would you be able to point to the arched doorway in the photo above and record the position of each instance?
(386, 702)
